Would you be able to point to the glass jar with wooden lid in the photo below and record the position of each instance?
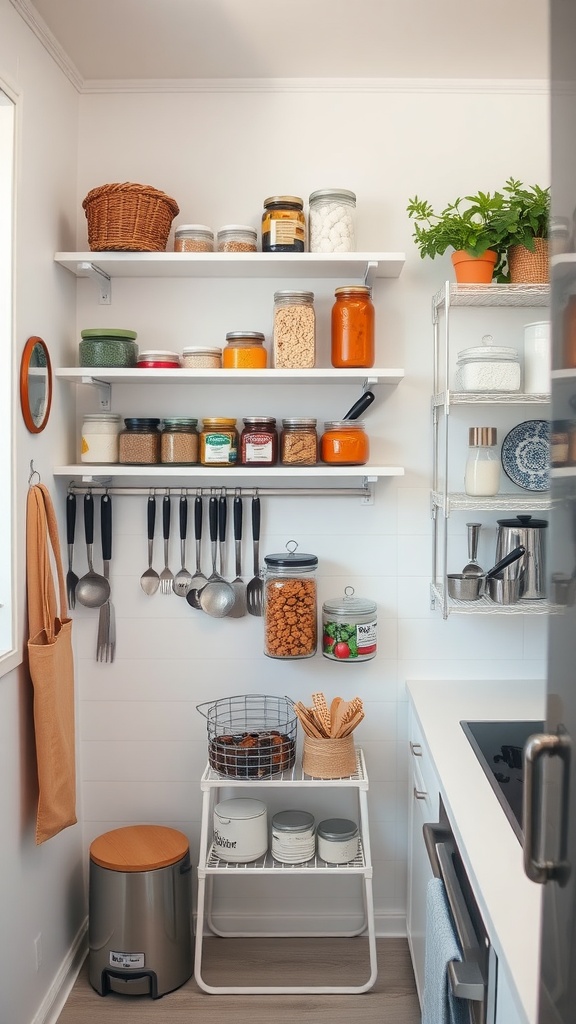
(352, 327)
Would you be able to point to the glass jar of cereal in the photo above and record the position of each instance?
(290, 626)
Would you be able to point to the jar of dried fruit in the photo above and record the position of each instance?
(290, 614)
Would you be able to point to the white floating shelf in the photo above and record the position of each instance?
(159, 475)
(132, 375)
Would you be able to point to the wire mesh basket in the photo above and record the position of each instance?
(251, 736)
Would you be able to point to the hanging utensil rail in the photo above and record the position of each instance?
(295, 492)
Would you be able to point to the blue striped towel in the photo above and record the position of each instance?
(439, 1004)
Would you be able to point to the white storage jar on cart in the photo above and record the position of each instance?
(293, 838)
(331, 220)
(337, 840)
(240, 830)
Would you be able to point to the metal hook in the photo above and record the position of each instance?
(33, 473)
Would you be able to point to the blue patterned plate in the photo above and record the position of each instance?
(526, 455)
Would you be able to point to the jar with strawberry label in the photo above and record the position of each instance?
(349, 628)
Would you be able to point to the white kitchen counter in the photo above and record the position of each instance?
(510, 904)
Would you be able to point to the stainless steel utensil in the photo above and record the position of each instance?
(105, 648)
(222, 519)
(503, 591)
(198, 579)
(150, 580)
(183, 578)
(217, 596)
(471, 588)
(239, 587)
(255, 588)
(472, 567)
(530, 532)
(92, 590)
(71, 577)
(166, 576)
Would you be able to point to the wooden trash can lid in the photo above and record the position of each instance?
(139, 848)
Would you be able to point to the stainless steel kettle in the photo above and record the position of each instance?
(531, 568)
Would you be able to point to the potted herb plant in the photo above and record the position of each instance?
(468, 226)
(522, 221)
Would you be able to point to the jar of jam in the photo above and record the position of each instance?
(290, 629)
(139, 442)
(283, 224)
(345, 443)
(218, 442)
(179, 441)
(244, 351)
(259, 441)
(299, 442)
(352, 334)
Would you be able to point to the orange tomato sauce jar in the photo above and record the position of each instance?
(352, 336)
(345, 443)
(244, 350)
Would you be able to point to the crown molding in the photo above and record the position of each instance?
(319, 85)
(30, 15)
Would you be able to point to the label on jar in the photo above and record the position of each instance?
(349, 641)
(284, 231)
(258, 448)
(219, 448)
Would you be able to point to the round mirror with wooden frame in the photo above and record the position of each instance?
(35, 384)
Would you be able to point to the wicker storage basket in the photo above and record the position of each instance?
(529, 267)
(329, 759)
(129, 217)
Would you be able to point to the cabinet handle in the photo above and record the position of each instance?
(416, 749)
(420, 794)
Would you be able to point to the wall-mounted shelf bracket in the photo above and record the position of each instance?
(97, 481)
(101, 280)
(368, 483)
(370, 273)
(105, 389)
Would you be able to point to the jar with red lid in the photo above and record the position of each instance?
(259, 441)
(157, 359)
(352, 330)
(345, 443)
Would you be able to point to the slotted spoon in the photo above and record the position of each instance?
(150, 580)
(166, 576)
(183, 578)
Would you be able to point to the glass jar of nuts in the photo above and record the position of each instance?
(237, 238)
(294, 330)
(299, 442)
(290, 614)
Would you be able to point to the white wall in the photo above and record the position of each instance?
(40, 887)
(219, 154)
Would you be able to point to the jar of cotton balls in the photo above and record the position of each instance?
(331, 220)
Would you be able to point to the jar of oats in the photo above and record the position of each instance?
(193, 238)
(179, 441)
(299, 442)
(237, 238)
(290, 615)
(294, 339)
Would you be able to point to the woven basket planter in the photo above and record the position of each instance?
(529, 267)
(329, 759)
(129, 217)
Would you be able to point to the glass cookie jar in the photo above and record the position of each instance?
(349, 628)
(290, 628)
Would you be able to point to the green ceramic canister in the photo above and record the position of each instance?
(108, 346)
(349, 628)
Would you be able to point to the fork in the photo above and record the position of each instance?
(166, 577)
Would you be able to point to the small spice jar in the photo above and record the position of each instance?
(179, 441)
(337, 840)
(99, 442)
(561, 442)
(259, 441)
(139, 442)
(198, 358)
(244, 351)
(345, 443)
(294, 330)
(352, 327)
(331, 220)
(293, 838)
(349, 628)
(283, 224)
(299, 442)
(158, 359)
(218, 442)
(290, 629)
(193, 238)
(237, 238)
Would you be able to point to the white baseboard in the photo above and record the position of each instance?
(53, 1002)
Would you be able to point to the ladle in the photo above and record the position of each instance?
(217, 596)
(92, 590)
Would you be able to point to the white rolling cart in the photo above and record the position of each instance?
(210, 867)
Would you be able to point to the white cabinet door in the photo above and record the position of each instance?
(507, 1010)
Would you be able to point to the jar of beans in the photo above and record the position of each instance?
(294, 330)
(179, 441)
(299, 442)
(139, 442)
(290, 614)
(193, 238)
(237, 238)
(259, 441)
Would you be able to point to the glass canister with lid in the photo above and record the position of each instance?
(487, 367)
(193, 238)
(218, 441)
(293, 837)
(290, 617)
(99, 442)
(349, 628)
(259, 441)
(179, 441)
(352, 327)
(237, 238)
(299, 441)
(294, 330)
(244, 350)
(283, 224)
(139, 442)
(331, 220)
(345, 443)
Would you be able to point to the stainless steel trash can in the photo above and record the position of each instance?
(140, 911)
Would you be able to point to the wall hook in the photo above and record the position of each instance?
(33, 473)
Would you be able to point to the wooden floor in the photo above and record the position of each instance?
(393, 999)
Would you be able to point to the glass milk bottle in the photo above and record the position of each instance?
(482, 473)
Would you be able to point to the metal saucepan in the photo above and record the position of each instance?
(471, 588)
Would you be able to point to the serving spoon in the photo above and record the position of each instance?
(92, 590)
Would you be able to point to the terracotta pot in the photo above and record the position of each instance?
(474, 269)
(529, 267)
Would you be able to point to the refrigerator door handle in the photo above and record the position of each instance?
(537, 748)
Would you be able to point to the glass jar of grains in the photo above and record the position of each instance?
(139, 442)
(179, 441)
(99, 441)
(259, 441)
(290, 629)
(193, 238)
(345, 442)
(218, 442)
(352, 327)
(244, 351)
(237, 238)
(283, 224)
(299, 442)
(198, 358)
(294, 330)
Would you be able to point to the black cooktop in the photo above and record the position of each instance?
(499, 748)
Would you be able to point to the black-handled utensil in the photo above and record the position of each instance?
(166, 576)
(92, 590)
(106, 643)
(150, 580)
(255, 588)
(239, 606)
(198, 579)
(512, 556)
(71, 577)
(222, 521)
(360, 406)
(183, 578)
